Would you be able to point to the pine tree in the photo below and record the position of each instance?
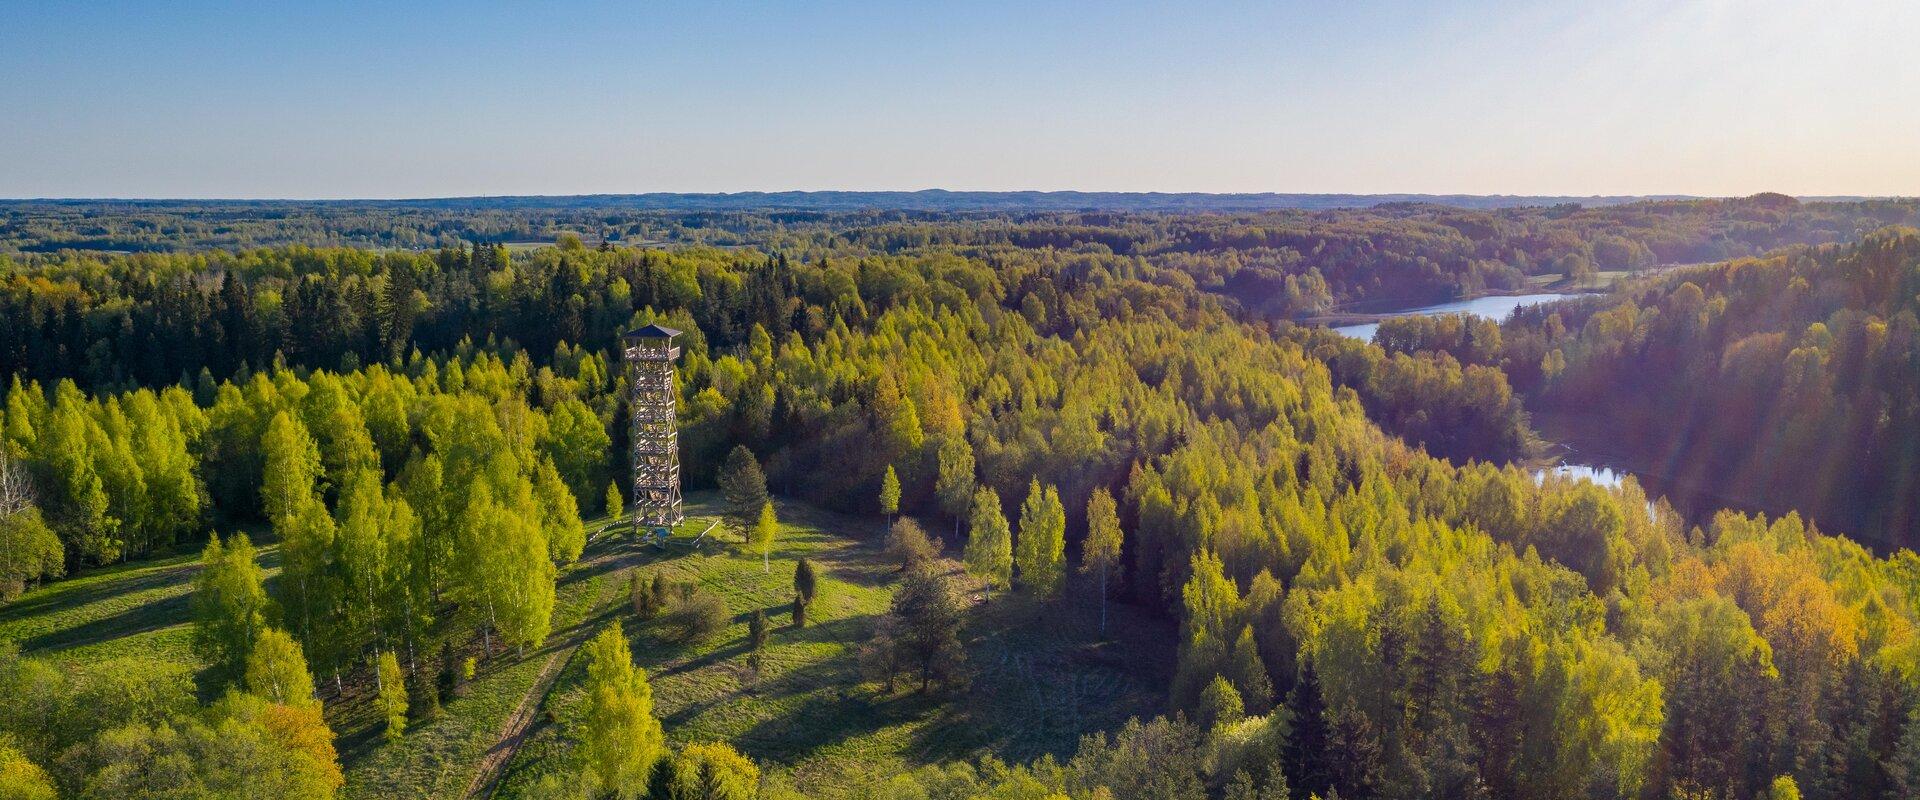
(1040, 550)
(989, 551)
(1101, 550)
(1305, 754)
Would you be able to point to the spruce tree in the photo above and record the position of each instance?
(743, 489)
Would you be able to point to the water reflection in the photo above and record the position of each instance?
(1496, 308)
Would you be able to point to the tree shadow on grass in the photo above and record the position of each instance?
(164, 613)
(57, 599)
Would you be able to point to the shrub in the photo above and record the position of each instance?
(695, 615)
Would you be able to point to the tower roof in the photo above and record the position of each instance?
(653, 331)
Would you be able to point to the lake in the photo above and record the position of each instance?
(1496, 308)
(1493, 307)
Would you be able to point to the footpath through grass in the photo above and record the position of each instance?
(1042, 675)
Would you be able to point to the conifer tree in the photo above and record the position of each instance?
(743, 487)
(1305, 754)
(1040, 550)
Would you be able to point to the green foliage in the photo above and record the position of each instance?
(616, 506)
(765, 529)
(712, 771)
(890, 492)
(21, 779)
(920, 634)
(230, 605)
(620, 738)
(29, 552)
(744, 486)
(1219, 705)
(909, 544)
(1040, 550)
(277, 671)
(393, 695)
(989, 551)
(692, 615)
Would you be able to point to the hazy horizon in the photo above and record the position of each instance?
(433, 100)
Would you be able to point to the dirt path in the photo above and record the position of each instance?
(520, 723)
(515, 731)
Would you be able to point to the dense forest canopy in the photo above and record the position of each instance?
(1793, 379)
(421, 431)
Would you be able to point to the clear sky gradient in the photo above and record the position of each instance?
(423, 99)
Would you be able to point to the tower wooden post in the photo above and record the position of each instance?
(650, 355)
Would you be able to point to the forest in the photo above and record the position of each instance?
(376, 440)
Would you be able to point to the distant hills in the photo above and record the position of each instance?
(925, 200)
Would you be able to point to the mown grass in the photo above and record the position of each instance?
(1042, 674)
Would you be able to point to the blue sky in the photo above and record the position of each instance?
(196, 99)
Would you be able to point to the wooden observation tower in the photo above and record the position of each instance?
(650, 354)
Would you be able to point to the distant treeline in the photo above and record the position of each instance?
(1283, 262)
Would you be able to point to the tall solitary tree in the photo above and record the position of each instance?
(890, 494)
(1040, 551)
(989, 552)
(616, 505)
(744, 489)
(764, 530)
(620, 737)
(1101, 550)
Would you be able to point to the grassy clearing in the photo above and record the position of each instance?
(1042, 675)
(439, 758)
(129, 618)
(1042, 678)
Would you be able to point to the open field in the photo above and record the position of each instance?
(1042, 675)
